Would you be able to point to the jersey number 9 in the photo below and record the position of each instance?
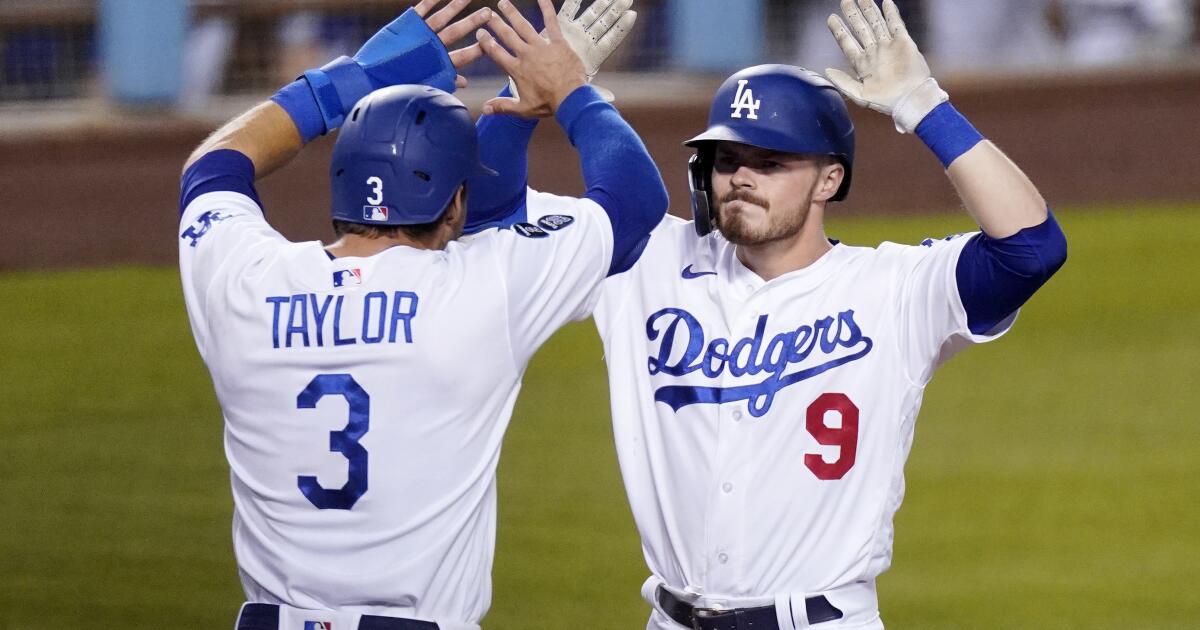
(844, 437)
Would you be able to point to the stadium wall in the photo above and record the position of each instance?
(105, 192)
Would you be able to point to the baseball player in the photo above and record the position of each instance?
(366, 384)
(765, 379)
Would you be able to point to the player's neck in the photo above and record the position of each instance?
(358, 246)
(776, 258)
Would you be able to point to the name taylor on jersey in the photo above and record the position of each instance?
(680, 346)
(306, 320)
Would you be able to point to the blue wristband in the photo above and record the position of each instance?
(296, 98)
(947, 133)
(337, 86)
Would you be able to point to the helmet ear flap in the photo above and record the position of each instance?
(700, 184)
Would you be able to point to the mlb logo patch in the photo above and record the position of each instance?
(347, 277)
(318, 625)
(375, 213)
(555, 222)
(529, 230)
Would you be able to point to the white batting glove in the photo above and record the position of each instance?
(595, 34)
(893, 77)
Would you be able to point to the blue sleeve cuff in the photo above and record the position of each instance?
(947, 133)
(573, 106)
(995, 276)
(297, 99)
(221, 170)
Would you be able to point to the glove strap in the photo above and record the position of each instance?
(914, 106)
(298, 100)
(337, 86)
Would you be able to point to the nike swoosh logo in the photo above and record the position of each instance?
(688, 274)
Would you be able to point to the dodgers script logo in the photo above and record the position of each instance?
(829, 342)
(744, 99)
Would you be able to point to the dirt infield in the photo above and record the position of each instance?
(109, 195)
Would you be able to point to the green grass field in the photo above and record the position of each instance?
(1054, 482)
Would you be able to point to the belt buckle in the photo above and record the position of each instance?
(699, 614)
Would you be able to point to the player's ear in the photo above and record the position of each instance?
(461, 195)
(457, 207)
(829, 180)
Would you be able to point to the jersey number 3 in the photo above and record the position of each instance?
(844, 437)
(344, 441)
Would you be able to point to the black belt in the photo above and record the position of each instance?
(759, 618)
(266, 617)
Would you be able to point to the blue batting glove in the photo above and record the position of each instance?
(406, 51)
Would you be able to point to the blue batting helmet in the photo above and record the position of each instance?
(777, 107)
(401, 155)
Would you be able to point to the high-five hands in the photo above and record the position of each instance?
(545, 67)
(385, 59)
(893, 76)
(598, 31)
(593, 34)
(403, 52)
(450, 33)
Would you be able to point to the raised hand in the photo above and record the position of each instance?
(451, 32)
(892, 75)
(544, 66)
(594, 34)
(598, 31)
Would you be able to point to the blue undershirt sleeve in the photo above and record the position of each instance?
(619, 173)
(995, 276)
(503, 147)
(221, 170)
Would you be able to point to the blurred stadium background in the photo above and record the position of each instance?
(1055, 479)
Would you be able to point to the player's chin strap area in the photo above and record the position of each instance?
(277, 617)
(853, 604)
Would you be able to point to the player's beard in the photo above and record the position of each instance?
(781, 224)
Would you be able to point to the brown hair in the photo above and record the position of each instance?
(416, 232)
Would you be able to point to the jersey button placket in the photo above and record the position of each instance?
(727, 518)
(725, 515)
(724, 524)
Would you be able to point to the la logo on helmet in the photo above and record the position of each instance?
(744, 99)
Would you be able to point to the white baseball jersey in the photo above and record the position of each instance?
(365, 398)
(762, 427)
